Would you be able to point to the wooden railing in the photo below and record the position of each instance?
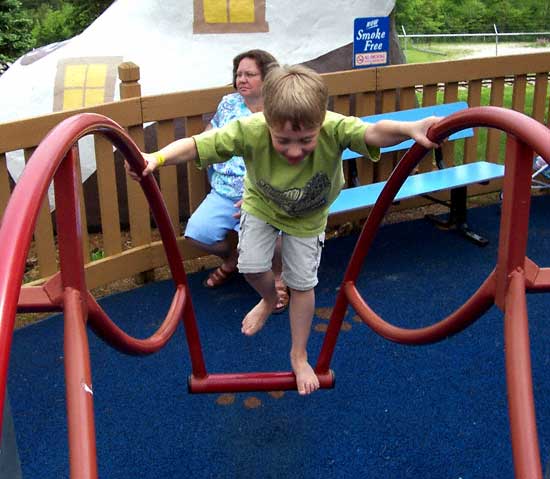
(128, 237)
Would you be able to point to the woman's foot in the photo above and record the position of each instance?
(306, 379)
(256, 318)
(219, 276)
(283, 297)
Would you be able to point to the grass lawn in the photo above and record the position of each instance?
(427, 53)
(434, 52)
(424, 52)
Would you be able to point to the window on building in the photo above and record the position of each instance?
(84, 82)
(229, 16)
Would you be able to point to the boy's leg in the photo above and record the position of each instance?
(256, 245)
(264, 284)
(301, 258)
(302, 305)
(280, 286)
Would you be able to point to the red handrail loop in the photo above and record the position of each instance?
(505, 286)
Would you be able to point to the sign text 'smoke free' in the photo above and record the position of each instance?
(371, 42)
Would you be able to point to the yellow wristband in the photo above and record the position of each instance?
(161, 159)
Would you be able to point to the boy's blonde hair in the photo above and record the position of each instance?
(296, 94)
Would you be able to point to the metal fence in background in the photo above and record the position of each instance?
(496, 34)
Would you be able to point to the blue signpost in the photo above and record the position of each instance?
(371, 42)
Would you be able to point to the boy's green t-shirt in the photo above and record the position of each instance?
(292, 198)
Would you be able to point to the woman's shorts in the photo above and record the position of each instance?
(301, 256)
(211, 221)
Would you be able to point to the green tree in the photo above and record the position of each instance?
(35, 4)
(15, 26)
(425, 16)
(87, 11)
(504, 14)
(53, 25)
(57, 20)
(465, 16)
(473, 16)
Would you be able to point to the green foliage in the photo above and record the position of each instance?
(59, 20)
(472, 16)
(15, 24)
(466, 16)
(53, 25)
(425, 16)
(27, 24)
(87, 11)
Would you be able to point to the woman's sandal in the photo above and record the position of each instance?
(283, 297)
(218, 277)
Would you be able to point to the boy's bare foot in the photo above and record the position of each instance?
(256, 318)
(306, 379)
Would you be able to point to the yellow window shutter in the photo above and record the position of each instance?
(241, 11)
(215, 11)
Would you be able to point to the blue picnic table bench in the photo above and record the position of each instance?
(453, 178)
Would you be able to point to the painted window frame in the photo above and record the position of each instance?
(201, 27)
(108, 88)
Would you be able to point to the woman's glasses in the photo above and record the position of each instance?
(246, 75)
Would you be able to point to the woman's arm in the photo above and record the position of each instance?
(390, 132)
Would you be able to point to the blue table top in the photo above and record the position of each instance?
(414, 114)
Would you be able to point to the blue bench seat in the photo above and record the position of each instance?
(454, 178)
(418, 185)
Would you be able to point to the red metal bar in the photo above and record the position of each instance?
(47, 297)
(331, 335)
(525, 136)
(16, 230)
(35, 300)
(478, 304)
(79, 389)
(78, 376)
(245, 382)
(542, 282)
(162, 218)
(69, 223)
(514, 223)
(101, 324)
(523, 425)
(55, 158)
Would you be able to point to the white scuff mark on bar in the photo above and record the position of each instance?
(87, 388)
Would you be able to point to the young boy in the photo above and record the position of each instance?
(292, 153)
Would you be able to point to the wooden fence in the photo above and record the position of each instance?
(134, 250)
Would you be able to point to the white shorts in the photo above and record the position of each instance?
(301, 256)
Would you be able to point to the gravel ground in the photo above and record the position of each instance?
(480, 50)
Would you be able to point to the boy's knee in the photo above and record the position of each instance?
(301, 290)
(253, 276)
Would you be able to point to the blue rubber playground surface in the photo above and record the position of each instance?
(436, 411)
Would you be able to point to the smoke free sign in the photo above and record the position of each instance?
(371, 42)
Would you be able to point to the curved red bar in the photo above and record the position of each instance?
(55, 158)
(537, 138)
(245, 382)
(521, 402)
(106, 329)
(506, 285)
(478, 304)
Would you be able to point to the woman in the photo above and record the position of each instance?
(219, 213)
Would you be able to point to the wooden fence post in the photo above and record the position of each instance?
(138, 208)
